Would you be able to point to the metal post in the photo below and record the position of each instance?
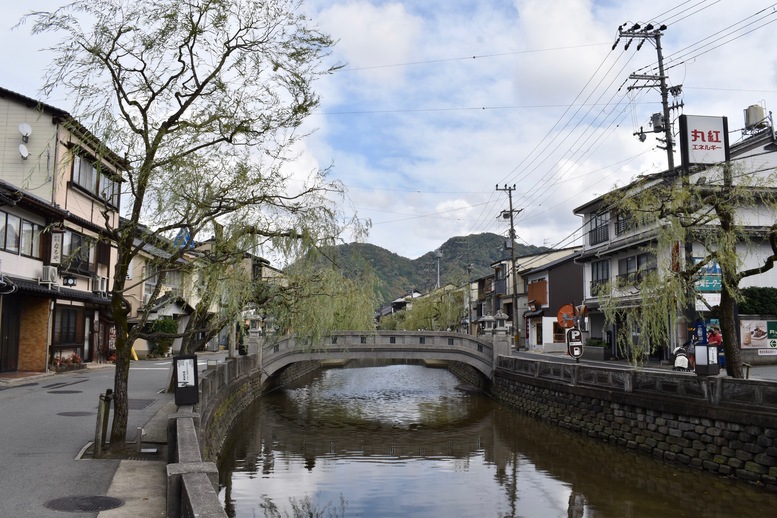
(101, 429)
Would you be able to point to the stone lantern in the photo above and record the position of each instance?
(500, 320)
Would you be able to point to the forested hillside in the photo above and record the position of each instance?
(397, 275)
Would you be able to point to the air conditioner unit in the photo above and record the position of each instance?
(100, 286)
(49, 275)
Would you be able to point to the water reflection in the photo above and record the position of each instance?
(403, 440)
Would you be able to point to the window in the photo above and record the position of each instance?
(600, 275)
(150, 280)
(559, 334)
(631, 270)
(84, 174)
(422, 340)
(19, 235)
(88, 176)
(599, 228)
(623, 223)
(174, 279)
(78, 252)
(31, 233)
(109, 190)
(11, 227)
(68, 326)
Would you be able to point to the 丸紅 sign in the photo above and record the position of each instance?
(703, 139)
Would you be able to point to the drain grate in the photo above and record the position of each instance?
(84, 504)
(75, 414)
(65, 391)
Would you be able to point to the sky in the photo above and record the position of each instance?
(443, 101)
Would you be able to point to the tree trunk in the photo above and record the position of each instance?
(728, 330)
(120, 386)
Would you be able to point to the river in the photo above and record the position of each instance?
(410, 441)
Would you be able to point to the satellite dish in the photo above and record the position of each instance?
(23, 151)
(25, 130)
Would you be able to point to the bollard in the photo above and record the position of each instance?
(101, 429)
(747, 370)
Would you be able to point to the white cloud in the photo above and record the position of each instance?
(447, 98)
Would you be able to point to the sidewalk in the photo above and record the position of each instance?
(137, 483)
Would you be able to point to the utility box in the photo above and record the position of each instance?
(707, 360)
(186, 382)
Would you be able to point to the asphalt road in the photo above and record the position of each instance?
(47, 421)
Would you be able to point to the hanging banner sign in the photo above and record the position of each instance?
(56, 247)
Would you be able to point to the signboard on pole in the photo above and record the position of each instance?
(574, 343)
(185, 371)
(703, 139)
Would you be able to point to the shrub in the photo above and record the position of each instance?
(161, 346)
(595, 342)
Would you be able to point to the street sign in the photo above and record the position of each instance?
(566, 316)
(574, 342)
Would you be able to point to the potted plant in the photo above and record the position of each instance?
(596, 349)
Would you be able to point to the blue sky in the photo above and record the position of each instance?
(442, 100)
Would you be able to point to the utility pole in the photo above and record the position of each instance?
(438, 254)
(469, 298)
(509, 191)
(661, 122)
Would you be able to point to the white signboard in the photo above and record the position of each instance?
(704, 140)
(56, 247)
(185, 368)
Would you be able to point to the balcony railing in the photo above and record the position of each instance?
(597, 286)
(599, 235)
(624, 225)
(633, 278)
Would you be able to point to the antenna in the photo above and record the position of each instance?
(24, 151)
(25, 131)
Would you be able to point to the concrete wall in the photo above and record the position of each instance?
(720, 425)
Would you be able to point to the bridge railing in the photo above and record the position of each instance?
(478, 351)
(346, 339)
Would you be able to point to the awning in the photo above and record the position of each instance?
(533, 314)
(35, 288)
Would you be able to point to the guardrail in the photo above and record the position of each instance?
(192, 484)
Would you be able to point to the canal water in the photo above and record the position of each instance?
(410, 441)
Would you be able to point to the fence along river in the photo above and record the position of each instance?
(406, 440)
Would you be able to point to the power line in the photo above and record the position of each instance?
(468, 58)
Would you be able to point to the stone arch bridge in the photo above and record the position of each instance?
(478, 352)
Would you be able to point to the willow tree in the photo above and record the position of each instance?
(315, 300)
(204, 99)
(440, 310)
(689, 223)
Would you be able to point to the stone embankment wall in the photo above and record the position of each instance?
(721, 425)
(230, 388)
(468, 375)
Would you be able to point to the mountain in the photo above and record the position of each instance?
(398, 275)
